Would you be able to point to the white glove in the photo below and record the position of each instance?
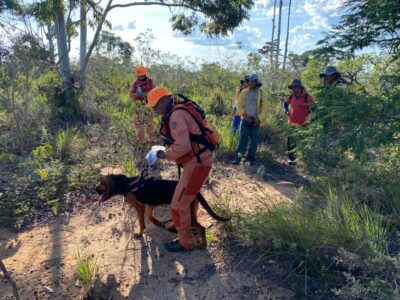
(152, 157)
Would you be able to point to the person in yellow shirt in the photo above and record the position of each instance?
(251, 106)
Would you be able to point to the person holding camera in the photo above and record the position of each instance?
(251, 106)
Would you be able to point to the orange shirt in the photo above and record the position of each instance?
(181, 124)
(299, 108)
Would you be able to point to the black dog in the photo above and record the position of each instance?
(144, 191)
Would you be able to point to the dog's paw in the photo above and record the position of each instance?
(138, 235)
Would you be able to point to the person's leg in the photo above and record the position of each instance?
(243, 141)
(149, 127)
(291, 145)
(190, 183)
(254, 140)
(139, 128)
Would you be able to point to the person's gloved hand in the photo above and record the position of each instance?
(161, 154)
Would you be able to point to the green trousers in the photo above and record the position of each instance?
(248, 132)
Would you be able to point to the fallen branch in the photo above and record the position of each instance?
(8, 277)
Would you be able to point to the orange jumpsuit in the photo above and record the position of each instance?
(194, 174)
(144, 118)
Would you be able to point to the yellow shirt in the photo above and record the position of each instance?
(262, 105)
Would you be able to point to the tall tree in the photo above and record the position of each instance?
(62, 44)
(83, 43)
(272, 37)
(206, 13)
(367, 23)
(287, 36)
(279, 36)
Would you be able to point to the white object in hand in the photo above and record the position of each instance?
(151, 157)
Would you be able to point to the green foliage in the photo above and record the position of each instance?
(66, 142)
(308, 237)
(214, 22)
(130, 168)
(87, 270)
(382, 29)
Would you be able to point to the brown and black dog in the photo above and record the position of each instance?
(145, 193)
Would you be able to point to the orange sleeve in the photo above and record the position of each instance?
(179, 127)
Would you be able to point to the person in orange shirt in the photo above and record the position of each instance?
(301, 104)
(138, 93)
(196, 165)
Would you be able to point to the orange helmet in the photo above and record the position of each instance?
(141, 71)
(156, 94)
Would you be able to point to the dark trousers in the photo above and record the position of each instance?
(291, 145)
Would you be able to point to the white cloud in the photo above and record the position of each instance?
(318, 7)
(301, 41)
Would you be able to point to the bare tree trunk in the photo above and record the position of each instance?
(10, 280)
(279, 36)
(287, 36)
(62, 46)
(272, 39)
(83, 45)
(96, 37)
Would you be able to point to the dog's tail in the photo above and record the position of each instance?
(208, 209)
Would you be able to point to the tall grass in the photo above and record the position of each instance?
(87, 270)
(309, 237)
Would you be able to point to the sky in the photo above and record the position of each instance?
(309, 19)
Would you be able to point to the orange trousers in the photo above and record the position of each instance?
(193, 176)
(144, 126)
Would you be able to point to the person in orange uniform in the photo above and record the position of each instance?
(196, 166)
(301, 103)
(138, 93)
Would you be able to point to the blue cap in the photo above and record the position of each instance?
(296, 82)
(254, 77)
(329, 71)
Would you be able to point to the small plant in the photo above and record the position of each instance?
(130, 168)
(87, 270)
(64, 141)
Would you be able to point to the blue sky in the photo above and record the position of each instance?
(309, 18)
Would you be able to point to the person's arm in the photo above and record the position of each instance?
(133, 92)
(180, 134)
(286, 103)
(310, 103)
(241, 103)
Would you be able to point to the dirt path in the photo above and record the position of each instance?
(42, 259)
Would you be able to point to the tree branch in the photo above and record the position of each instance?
(10, 280)
(156, 3)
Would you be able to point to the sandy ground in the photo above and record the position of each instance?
(42, 259)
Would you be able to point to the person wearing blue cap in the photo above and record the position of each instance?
(251, 106)
(331, 76)
(301, 104)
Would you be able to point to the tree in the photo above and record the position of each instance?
(213, 18)
(272, 37)
(367, 23)
(287, 36)
(205, 13)
(279, 36)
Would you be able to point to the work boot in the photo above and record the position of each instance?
(236, 161)
(175, 246)
(251, 161)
